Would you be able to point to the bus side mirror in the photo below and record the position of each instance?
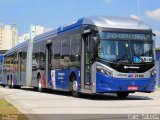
(154, 34)
(34, 68)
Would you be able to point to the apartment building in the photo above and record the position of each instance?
(8, 37)
(33, 31)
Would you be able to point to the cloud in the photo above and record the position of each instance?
(157, 32)
(153, 14)
(107, 1)
(135, 17)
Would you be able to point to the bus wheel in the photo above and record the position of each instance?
(12, 85)
(18, 87)
(122, 94)
(8, 82)
(39, 85)
(74, 87)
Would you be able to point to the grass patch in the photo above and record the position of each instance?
(7, 110)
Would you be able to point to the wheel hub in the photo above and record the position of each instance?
(75, 86)
(40, 86)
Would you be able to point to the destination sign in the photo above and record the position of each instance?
(133, 36)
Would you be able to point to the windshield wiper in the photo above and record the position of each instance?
(121, 60)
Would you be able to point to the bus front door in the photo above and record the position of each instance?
(86, 44)
(48, 65)
(19, 68)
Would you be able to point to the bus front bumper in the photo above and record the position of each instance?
(107, 84)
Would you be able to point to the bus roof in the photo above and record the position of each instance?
(99, 21)
(115, 22)
(16, 47)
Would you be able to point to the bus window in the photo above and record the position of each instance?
(25, 56)
(42, 56)
(56, 53)
(35, 56)
(75, 49)
(64, 61)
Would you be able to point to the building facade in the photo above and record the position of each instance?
(33, 31)
(23, 37)
(8, 37)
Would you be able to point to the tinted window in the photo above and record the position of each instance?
(35, 60)
(114, 50)
(24, 58)
(56, 49)
(42, 56)
(65, 52)
(142, 51)
(75, 49)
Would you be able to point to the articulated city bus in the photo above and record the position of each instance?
(93, 55)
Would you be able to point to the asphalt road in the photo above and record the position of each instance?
(60, 105)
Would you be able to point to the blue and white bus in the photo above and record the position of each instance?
(94, 55)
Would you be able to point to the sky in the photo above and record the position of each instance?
(54, 13)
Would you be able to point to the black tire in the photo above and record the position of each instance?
(3, 86)
(122, 94)
(35, 88)
(17, 87)
(8, 82)
(74, 87)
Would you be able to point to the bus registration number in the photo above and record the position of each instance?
(132, 88)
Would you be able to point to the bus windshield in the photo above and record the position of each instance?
(142, 51)
(114, 50)
(127, 50)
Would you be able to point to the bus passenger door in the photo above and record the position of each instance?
(48, 65)
(86, 63)
(19, 68)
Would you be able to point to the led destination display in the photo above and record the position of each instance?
(133, 36)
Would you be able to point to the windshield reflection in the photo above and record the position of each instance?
(125, 51)
(114, 51)
(142, 51)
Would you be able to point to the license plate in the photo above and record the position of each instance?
(132, 88)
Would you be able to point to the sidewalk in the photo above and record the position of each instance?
(158, 89)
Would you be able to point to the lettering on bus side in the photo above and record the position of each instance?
(61, 75)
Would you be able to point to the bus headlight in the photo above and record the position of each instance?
(104, 71)
(153, 72)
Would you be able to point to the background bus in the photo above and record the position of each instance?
(1, 64)
(93, 55)
(1, 60)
